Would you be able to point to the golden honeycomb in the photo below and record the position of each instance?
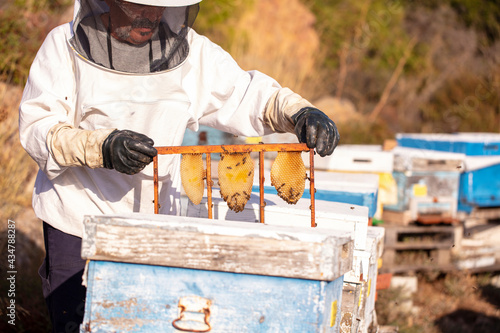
(192, 175)
(288, 176)
(235, 171)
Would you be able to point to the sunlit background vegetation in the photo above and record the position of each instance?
(377, 67)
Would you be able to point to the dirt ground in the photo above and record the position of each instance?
(454, 303)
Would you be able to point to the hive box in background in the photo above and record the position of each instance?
(428, 183)
(470, 144)
(158, 273)
(359, 189)
(363, 159)
(352, 188)
(479, 183)
(355, 158)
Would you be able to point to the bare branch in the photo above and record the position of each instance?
(392, 81)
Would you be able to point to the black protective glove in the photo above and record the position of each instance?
(317, 130)
(127, 151)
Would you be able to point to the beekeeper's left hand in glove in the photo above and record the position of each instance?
(314, 128)
(288, 112)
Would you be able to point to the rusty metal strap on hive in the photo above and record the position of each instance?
(247, 148)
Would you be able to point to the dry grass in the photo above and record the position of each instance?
(454, 303)
(16, 167)
(286, 49)
(16, 184)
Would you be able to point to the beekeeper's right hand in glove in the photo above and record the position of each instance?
(123, 150)
(287, 111)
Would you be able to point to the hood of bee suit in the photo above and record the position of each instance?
(133, 36)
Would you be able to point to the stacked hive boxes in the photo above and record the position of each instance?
(442, 179)
(479, 182)
(160, 273)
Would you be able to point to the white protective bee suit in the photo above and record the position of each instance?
(84, 84)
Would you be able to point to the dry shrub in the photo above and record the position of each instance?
(392, 309)
(280, 40)
(444, 303)
(275, 37)
(466, 104)
(364, 132)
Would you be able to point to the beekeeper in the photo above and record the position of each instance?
(123, 77)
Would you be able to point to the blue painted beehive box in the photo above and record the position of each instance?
(470, 144)
(479, 183)
(351, 188)
(157, 273)
(359, 189)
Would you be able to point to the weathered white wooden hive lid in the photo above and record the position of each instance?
(355, 158)
(336, 216)
(473, 163)
(229, 246)
(415, 159)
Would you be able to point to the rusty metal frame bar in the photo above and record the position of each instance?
(246, 148)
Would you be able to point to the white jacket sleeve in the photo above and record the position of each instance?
(47, 99)
(247, 103)
(280, 108)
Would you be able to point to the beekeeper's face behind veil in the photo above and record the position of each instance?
(134, 36)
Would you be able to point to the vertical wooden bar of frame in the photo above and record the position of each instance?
(208, 160)
(262, 204)
(155, 179)
(311, 188)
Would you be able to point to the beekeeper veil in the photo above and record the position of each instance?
(133, 36)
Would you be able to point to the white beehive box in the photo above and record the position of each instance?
(353, 188)
(423, 160)
(355, 158)
(329, 215)
(363, 159)
(359, 189)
